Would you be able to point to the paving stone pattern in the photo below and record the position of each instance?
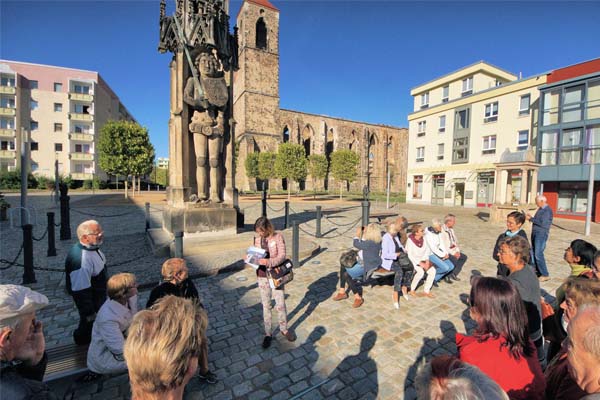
(341, 353)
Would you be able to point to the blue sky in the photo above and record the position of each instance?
(352, 59)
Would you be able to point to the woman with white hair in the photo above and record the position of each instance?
(439, 254)
(105, 355)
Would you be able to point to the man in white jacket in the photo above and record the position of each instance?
(439, 254)
(457, 257)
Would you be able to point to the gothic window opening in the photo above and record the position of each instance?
(261, 34)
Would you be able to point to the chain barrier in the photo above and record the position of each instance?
(13, 262)
(308, 233)
(57, 225)
(252, 205)
(347, 230)
(275, 210)
(48, 269)
(41, 238)
(340, 225)
(103, 216)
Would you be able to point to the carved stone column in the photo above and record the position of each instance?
(509, 191)
(499, 184)
(534, 183)
(524, 183)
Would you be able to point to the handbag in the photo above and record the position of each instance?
(280, 275)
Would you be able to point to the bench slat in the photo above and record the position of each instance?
(64, 361)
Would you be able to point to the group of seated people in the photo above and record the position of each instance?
(106, 350)
(431, 254)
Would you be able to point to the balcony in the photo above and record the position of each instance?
(11, 133)
(81, 97)
(81, 176)
(8, 90)
(83, 137)
(81, 117)
(8, 153)
(81, 156)
(8, 112)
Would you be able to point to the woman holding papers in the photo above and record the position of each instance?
(274, 245)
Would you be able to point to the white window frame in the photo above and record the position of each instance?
(422, 127)
(420, 154)
(440, 156)
(445, 96)
(491, 115)
(425, 100)
(467, 86)
(521, 146)
(442, 127)
(523, 111)
(486, 144)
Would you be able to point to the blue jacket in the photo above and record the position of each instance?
(541, 221)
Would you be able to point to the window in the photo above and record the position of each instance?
(82, 148)
(7, 145)
(422, 127)
(442, 127)
(425, 100)
(593, 100)
(572, 197)
(524, 103)
(491, 112)
(261, 34)
(440, 152)
(7, 81)
(33, 85)
(551, 102)
(33, 104)
(7, 102)
(57, 146)
(34, 166)
(82, 129)
(84, 168)
(417, 186)
(57, 107)
(573, 104)
(83, 89)
(33, 125)
(462, 119)
(81, 108)
(445, 93)
(571, 146)
(460, 151)
(57, 87)
(7, 123)
(523, 141)
(57, 127)
(489, 144)
(467, 86)
(420, 154)
(549, 148)
(34, 146)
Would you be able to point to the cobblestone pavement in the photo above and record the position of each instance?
(341, 353)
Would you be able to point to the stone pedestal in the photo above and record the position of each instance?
(499, 212)
(202, 218)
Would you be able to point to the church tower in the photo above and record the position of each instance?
(256, 83)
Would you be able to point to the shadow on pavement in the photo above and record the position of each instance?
(318, 291)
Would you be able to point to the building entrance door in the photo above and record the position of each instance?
(485, 189)
(437, 184)
(459, 194)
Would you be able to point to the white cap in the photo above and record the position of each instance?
(18, 300)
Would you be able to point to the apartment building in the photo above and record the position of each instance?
(569, 120)
(62, 110)
(162, 162)
(471, 135)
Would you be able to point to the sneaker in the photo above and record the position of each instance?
(435, 284)
(544, 278)
(357, 302)
(208, 377)
(267, 342)
(396, 306)
(290, 336)
(448, 280)
(405, 295)
(340, 296)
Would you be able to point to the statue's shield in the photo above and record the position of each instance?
(215, 90)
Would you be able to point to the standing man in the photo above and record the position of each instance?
(583, 350)
(539, 236)
(86, 277)
(22, 346)
(451, 242)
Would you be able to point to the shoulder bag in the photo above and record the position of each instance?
(280, 275)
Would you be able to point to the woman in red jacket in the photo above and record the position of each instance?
(500, 346)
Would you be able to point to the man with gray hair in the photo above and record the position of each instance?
(86, 277)
(542, 221)
(22, 346)
(457, 257)
(583, 350)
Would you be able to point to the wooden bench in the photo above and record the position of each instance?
(66, 361)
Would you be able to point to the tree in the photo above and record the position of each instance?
(344, 167)
(251, 164)
(160, 176)
(317, 168)
(266, 166)
(125, 149)
(291, 163)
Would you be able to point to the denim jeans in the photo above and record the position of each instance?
(442, 267)
(538, 245)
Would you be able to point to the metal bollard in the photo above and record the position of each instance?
(264, 203)
(286, 223)
(51, 236)
(147, 215)
(365, 212)
(28, 273)
(65, 218)
(295, 244)
(318, 230)
(179, 244)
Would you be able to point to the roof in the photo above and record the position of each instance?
(574, 71)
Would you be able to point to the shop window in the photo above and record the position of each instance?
(572, 198)
(418, 187)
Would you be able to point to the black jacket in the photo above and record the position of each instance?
(186, 289)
